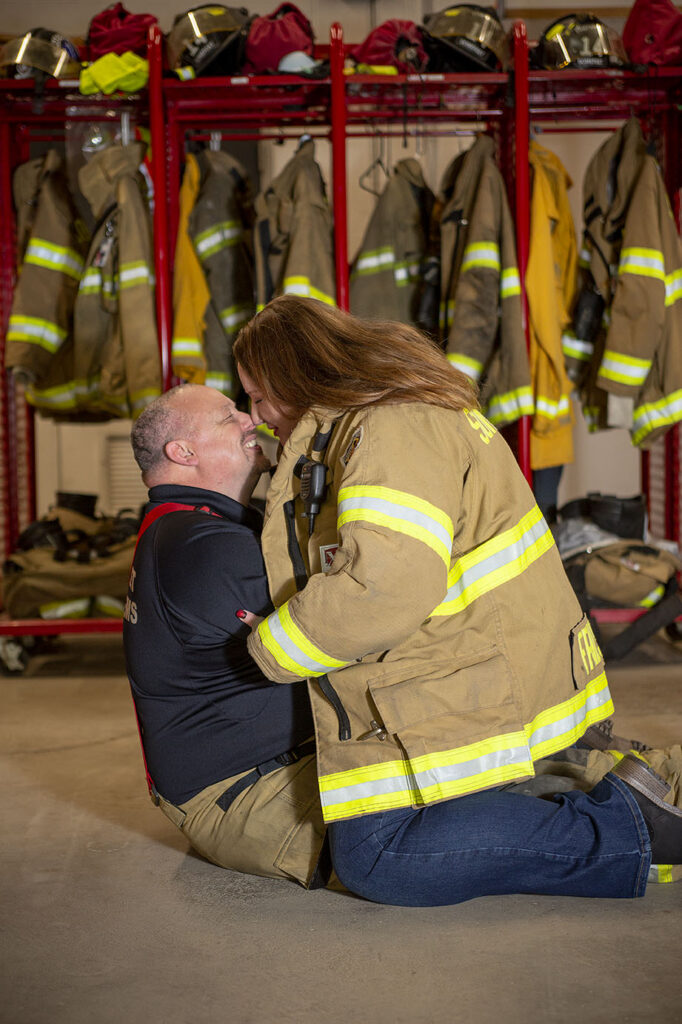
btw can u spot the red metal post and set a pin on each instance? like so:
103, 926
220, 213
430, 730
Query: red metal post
339, 186
161, 249
8, 481
522, 185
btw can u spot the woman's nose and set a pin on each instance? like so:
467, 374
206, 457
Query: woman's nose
253, 412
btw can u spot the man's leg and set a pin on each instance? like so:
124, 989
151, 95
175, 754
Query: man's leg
576, 844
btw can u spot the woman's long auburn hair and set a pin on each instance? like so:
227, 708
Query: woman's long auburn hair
302, 353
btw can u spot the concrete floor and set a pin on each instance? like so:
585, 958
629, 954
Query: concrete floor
107, 916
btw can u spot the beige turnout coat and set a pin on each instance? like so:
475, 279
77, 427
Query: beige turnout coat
293, 233
480, 314
445, 649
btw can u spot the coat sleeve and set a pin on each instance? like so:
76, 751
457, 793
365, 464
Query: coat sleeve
639, 304
395, 535
137, 310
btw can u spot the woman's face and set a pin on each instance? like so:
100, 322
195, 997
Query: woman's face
281, 419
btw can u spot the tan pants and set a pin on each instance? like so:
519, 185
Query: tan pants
273, 828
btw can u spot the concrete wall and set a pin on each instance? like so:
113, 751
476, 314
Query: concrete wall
70, 458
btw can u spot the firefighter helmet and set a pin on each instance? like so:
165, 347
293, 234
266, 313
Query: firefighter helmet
579, 41
465, 37
208, 40
38, 54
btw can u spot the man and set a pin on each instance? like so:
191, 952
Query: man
229, 754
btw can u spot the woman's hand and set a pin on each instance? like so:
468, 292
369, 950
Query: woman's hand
249, 618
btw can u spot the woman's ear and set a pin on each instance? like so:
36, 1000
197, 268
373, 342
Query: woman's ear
181, 452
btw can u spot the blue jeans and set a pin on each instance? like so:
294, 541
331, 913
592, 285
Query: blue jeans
574, 844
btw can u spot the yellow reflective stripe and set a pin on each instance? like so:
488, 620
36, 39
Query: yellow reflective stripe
191, 347
405, 272
510, 283
77, 608
481, 254
111, 606
302, 286
36, 331
373, 261
655, 415
233, 317
461, 770
661, 873
472, 367
291, 649
551, 409
398, 511
653, 597
673, 287
447, 310
137, 272
140, 399
217, 237
507, 407
498, 560
624, 369
91, 282
576, 348
46, 254
642, 263
219, 381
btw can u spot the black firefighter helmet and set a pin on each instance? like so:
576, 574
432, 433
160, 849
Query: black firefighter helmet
579, 41
208, 40
465, 37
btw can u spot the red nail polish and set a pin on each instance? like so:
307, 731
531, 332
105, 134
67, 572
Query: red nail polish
241, 614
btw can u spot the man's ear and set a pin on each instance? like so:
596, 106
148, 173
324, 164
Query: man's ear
181, 452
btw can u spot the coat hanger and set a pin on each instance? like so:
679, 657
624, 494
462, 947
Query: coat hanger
376, 165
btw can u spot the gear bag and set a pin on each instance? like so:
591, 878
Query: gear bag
629, 574
653, 33
271, 37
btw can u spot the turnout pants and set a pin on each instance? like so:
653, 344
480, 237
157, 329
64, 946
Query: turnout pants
273, 827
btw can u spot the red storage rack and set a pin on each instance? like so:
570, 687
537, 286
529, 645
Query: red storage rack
338, 108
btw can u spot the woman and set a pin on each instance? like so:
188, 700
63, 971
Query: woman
418, 588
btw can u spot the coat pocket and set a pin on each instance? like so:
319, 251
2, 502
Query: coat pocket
480, 681
587, 662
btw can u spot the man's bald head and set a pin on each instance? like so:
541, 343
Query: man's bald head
162, 421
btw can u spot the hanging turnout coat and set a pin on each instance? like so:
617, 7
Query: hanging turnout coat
213, 291
551, 279
445, 649
51, 253
386, 276
481, 317
632, 257
293, 234
116, 351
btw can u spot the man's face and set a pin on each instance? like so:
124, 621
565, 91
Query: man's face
223, 439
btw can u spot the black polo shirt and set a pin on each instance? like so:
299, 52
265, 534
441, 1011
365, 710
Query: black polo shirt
205, 709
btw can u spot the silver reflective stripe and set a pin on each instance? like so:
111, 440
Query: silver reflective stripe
624, 368
552, 409
186, 347
292, 650
494, 562
208, 242
58, 257
575, 347
396, 511
377, 260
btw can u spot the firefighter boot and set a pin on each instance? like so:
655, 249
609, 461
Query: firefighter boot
663, 820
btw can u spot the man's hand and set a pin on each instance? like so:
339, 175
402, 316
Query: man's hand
249, 618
